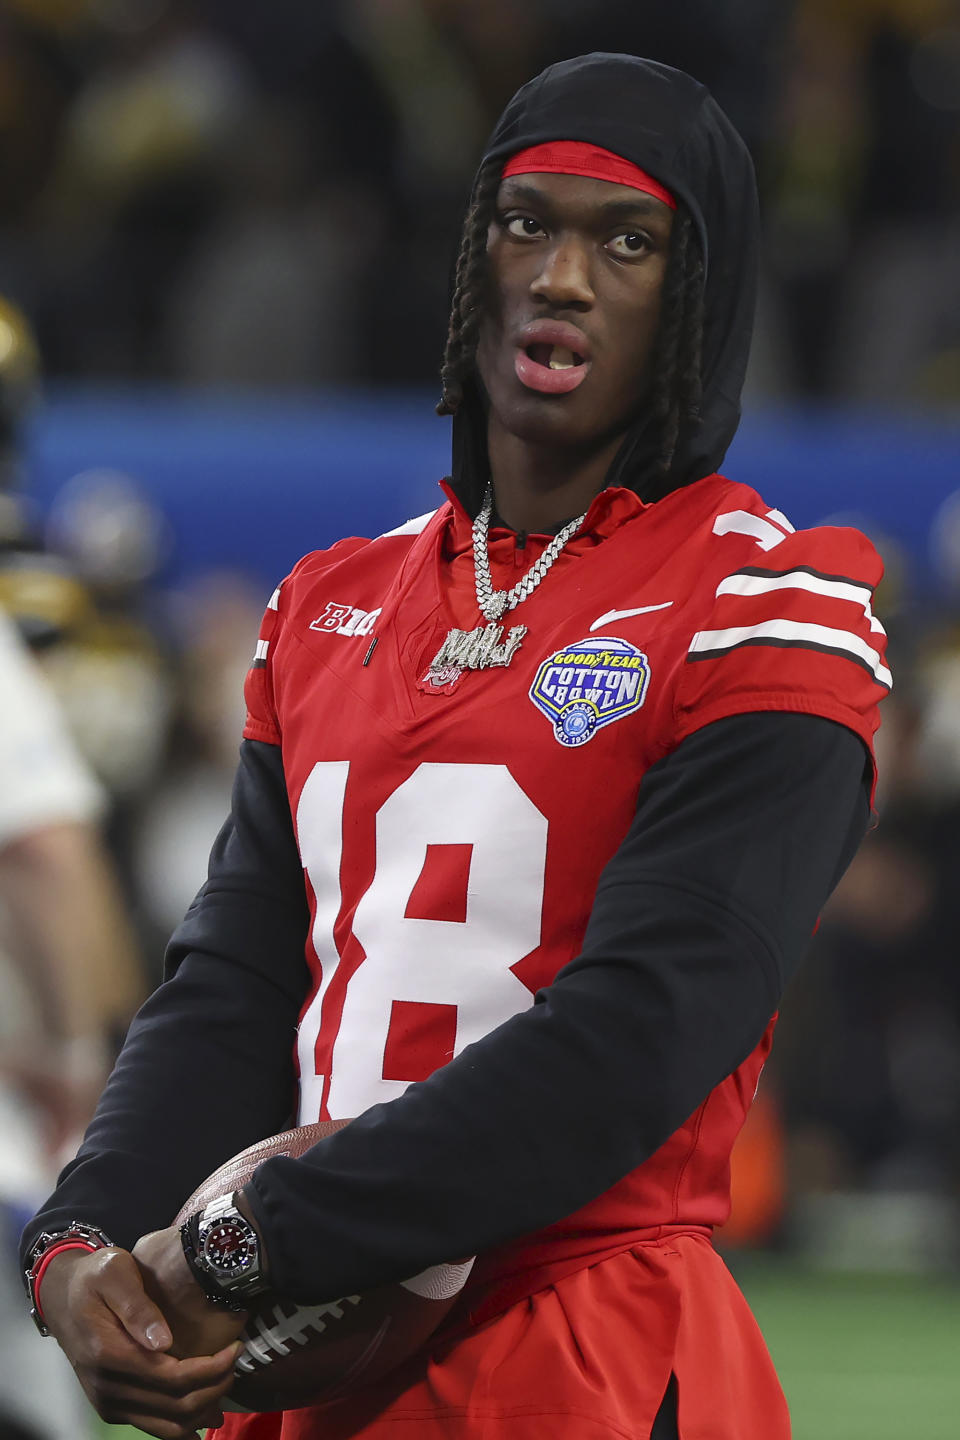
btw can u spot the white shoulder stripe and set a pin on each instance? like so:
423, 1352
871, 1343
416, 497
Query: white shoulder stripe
274, 602
410, 527
790, 632
741, 522
740, 584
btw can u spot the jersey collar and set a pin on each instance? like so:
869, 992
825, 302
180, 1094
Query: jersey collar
613, 507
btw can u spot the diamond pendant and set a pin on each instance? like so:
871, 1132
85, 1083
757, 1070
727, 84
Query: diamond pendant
479, 649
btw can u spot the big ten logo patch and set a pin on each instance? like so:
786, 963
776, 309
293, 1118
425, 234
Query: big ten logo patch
588, 685
345, 620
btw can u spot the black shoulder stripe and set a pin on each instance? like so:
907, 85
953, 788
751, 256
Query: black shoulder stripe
807, 570
779, 644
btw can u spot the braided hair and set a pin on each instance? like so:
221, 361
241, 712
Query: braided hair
468, 293
675, 390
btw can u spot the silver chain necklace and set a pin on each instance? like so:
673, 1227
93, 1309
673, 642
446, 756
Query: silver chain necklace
494, 604
484, 647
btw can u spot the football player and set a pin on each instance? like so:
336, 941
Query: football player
539, 799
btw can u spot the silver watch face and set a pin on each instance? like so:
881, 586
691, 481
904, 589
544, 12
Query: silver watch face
229, 1248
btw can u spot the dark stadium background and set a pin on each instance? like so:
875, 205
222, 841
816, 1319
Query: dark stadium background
229, 225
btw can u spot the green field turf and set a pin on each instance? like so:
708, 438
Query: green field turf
861, 1357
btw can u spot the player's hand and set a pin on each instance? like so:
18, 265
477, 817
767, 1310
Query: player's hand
119, 1343
198, 1326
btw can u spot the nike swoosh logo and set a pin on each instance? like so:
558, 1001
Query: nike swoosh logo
623, 614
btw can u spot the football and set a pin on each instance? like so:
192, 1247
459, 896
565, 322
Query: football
296, 1355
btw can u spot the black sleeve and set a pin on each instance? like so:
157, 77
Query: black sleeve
207, 1067
699, 920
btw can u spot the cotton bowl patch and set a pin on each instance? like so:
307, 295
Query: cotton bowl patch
589, 684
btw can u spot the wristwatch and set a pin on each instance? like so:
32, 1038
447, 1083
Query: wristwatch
223, 1251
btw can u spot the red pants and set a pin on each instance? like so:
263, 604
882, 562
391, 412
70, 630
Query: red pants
586, 1358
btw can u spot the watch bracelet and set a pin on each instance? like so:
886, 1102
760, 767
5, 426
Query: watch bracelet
189, 1239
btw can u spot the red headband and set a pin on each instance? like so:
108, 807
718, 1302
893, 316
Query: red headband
574, 157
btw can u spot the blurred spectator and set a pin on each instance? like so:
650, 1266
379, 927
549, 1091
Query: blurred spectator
735, 49
108, 671
313, 59
19, 383
271, 294
134, 183
868, 1054
67, 934
268, 192
36, 82
80, 602
863, 200
216, 622
70, 975
70, 980
36, 588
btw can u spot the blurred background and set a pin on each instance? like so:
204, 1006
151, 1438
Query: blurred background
225, 239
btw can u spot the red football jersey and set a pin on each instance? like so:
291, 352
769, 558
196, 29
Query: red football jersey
453, 830
453, 826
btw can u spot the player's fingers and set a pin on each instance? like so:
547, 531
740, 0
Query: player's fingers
167, 1416
164, 1375
192, 1412
202, 1371
121, 1390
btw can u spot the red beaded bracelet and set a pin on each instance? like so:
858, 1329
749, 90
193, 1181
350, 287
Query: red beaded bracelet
45, 1261
77, 1236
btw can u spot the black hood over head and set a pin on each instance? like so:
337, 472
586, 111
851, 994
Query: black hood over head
669, 124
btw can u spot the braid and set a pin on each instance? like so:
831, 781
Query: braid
676, 391
465, 311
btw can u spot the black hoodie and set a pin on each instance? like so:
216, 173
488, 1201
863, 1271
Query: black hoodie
668, 124
668, 995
